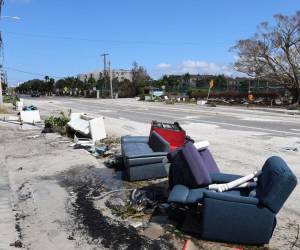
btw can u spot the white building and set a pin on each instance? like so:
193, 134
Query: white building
120, 74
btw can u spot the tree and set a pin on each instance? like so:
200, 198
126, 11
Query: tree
140, 77
126, 89
273, 53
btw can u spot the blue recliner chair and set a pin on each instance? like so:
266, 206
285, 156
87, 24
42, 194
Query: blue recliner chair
240, 216
244, 219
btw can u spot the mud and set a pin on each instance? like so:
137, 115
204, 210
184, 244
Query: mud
97, 229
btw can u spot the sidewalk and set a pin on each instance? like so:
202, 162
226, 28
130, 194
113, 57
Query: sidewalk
7, 221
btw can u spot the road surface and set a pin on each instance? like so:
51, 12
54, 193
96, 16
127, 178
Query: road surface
233, 118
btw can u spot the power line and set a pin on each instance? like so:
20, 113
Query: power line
43, 36
31, 73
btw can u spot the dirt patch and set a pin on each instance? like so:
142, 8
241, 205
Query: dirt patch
96, 228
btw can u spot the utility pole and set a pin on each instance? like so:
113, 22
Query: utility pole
110, 79
104, 71
1, 97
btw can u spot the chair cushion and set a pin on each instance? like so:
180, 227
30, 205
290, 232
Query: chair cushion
131, 149
196, 165
209, 161
275, 184
184, 195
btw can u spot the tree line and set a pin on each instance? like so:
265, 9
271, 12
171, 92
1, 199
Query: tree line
76, 87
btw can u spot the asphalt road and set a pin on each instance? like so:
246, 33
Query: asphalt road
233, 118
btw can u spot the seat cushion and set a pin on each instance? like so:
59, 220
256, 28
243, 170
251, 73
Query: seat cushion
196, 165
209, 161
184, 195
132, 149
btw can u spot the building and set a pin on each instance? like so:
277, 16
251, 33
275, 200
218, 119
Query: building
119, 74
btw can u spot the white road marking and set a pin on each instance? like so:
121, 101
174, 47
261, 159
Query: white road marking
225, 123
257, 119
298, 130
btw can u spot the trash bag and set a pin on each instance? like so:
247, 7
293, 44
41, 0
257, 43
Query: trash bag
115, 162
30, 108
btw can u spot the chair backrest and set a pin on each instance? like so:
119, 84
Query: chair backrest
190, 167
158, 143
275, 184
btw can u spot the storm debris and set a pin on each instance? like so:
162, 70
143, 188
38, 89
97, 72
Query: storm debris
110, 233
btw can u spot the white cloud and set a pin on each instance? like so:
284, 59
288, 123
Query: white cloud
163, 66
195, 67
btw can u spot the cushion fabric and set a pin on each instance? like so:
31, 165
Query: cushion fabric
136, 149
275, 184
196, 165
182, 194
209, 161
190, 167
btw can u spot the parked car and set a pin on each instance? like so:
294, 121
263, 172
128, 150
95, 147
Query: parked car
35, 94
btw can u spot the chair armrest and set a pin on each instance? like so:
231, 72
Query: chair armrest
154, 154
178, 194
230, 198
223, 178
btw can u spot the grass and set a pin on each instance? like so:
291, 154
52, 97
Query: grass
10, 99
58, 123
3, 110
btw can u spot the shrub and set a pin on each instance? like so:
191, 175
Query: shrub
10, 99
58, 123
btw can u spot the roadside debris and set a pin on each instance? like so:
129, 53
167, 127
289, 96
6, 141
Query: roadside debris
30, 116
103, 231
290, 148
88, 126
33, 136
17, 244
30, 108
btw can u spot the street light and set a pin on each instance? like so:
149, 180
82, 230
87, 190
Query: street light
1, 97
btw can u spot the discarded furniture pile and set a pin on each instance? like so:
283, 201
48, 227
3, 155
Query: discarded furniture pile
227, 207
143, 156
89, 133
87, 127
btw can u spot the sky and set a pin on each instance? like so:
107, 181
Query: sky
61, 38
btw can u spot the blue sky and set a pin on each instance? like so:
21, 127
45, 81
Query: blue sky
66, 37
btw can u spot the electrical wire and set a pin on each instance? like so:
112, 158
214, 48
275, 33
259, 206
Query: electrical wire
43, 36
31, 73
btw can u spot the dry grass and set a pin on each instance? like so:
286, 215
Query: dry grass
4, 110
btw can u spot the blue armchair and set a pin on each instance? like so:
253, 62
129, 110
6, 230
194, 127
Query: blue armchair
234, 218
243, 216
